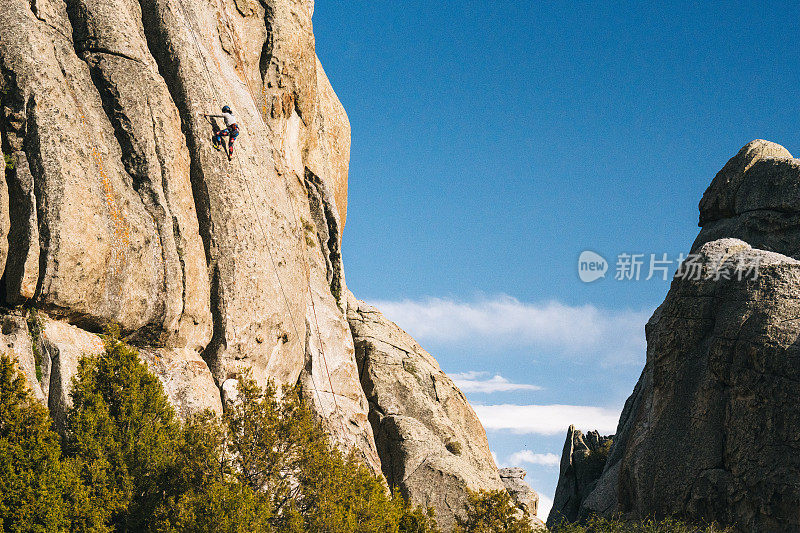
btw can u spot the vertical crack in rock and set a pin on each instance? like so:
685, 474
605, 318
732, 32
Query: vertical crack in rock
326, 219
21, 275
107, 68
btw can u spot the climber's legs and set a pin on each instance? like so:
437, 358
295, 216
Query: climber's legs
234, 132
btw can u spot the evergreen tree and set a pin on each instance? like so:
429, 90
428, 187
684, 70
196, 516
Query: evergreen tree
491, 512
39, 490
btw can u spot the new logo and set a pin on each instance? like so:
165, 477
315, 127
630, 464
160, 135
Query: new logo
591, 266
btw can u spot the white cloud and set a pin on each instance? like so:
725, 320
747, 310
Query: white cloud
527, 456
471, 382
545, 504
546, 419
615, 337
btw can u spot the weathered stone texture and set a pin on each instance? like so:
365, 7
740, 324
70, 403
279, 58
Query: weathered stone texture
524, 497
430, 442
582, 462
709, 432
115, 208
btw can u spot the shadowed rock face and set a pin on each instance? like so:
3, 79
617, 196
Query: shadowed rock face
582, 463
115, 208
710, 429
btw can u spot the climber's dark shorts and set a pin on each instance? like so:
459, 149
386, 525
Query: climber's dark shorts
231, 131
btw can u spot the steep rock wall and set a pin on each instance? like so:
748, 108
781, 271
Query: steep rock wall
431, 444
709, 432
122, 212
115, 208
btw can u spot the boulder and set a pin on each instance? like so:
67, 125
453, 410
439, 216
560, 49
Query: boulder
430, 442
17, 342
754, 198
64, 345
720, 199
186, 379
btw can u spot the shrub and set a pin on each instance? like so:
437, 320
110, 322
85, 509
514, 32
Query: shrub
124, 434
130, 465
453, 447
39, 490
667, 525
279, 447
490, 512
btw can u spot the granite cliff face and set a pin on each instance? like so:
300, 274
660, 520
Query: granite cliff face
710, 429
116, 209
582, 462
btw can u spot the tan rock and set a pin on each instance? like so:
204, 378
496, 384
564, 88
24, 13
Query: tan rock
330, 158
431, 444
523, 495
16, 342
154, 154
186, 379
101, 260
65, 345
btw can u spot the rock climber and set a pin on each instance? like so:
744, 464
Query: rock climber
231, 131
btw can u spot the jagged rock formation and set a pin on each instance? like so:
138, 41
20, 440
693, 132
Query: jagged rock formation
582, 461
525, 498
710, 429
116, 209
429, 440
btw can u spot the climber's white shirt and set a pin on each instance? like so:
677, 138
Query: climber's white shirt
229, 119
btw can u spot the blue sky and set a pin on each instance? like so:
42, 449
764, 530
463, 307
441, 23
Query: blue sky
493, 142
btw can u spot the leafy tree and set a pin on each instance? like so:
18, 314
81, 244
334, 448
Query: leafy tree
129, 464
415, 519
124, 432
210, 499
278, 446
491, 512
39, 490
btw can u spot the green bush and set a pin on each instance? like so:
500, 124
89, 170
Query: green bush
490, 512
39, 490
8, 159
667, 525
129, 464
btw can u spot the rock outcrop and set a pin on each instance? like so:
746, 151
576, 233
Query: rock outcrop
525, 498
122, 212
430, 442
582, 461
710, 430
115, 209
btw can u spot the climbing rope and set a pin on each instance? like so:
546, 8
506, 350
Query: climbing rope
192, 32
265, 109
